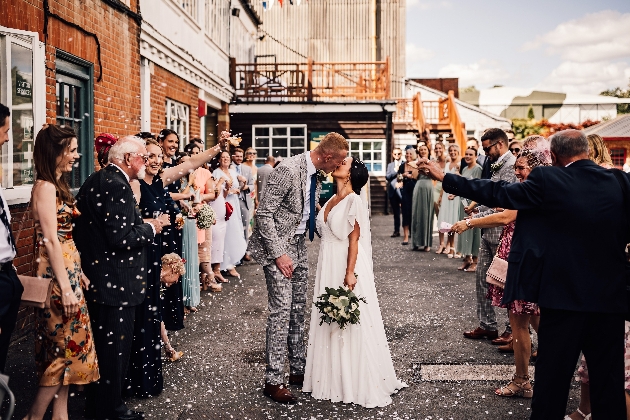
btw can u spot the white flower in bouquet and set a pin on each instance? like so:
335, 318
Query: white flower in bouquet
205, 217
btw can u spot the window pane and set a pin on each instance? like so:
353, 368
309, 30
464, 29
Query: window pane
58, 89
66, 101
77, 102
261, 142
279, 142
376, 167
296, 151
279, 131
355, 155
377, 156
297, 131
261, 131
280, 152
367, 145
378, 145
297, 142
369, 167
354, 145
22, 114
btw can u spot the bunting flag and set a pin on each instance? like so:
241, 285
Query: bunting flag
280, 1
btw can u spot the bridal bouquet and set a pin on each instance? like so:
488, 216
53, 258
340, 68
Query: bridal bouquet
339, 305
205, 217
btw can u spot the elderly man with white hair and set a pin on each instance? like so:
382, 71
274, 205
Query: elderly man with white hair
111, 236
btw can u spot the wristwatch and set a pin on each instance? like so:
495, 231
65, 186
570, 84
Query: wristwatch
468, 223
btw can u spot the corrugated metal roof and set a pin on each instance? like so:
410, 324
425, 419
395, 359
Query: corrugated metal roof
617, 127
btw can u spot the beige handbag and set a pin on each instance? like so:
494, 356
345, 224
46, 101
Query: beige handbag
37, 290
497, 272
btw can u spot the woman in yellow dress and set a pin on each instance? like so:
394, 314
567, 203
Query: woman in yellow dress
64, 347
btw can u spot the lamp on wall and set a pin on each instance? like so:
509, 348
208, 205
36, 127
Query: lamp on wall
236, 12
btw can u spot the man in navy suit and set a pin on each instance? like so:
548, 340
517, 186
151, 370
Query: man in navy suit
394, 193
568, 255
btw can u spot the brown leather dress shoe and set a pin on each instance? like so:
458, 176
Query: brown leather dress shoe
479, 333
503, 339
507, 348
279, 393
296, 380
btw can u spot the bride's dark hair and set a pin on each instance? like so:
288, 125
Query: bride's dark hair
358, 175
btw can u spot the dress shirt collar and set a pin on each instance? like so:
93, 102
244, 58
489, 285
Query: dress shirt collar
310, 168
123, 172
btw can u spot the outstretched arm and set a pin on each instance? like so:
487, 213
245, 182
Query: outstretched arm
493, 220
170, 175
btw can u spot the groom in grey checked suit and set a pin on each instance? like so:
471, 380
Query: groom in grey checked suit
278, 243
495, 144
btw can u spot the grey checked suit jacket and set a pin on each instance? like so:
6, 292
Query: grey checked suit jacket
280, 210
245, 196
505, 173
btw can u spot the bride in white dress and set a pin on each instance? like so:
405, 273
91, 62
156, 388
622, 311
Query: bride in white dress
352, 365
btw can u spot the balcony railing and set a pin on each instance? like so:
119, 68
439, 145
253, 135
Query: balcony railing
311, 81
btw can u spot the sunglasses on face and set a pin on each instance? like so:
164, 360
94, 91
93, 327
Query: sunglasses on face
515, 150
487, 149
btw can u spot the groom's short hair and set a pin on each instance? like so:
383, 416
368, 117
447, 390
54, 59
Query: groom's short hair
332, 143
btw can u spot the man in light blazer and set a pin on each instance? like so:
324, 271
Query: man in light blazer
567, 255
501, 161
246, 179
263, 176
394, 194
278, 243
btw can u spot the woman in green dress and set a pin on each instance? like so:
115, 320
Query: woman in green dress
422, 207
468, 242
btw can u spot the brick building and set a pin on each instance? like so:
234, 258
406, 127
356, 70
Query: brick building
102, 66
62, 62
185, 50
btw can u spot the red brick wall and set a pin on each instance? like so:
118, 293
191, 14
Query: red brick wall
165, 84
116, 96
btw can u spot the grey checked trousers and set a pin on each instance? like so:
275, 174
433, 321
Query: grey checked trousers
285, 325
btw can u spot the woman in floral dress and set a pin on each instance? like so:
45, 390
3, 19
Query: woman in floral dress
64, 348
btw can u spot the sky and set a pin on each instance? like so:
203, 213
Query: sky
555, 45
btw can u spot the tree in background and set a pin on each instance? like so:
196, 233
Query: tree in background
619, 93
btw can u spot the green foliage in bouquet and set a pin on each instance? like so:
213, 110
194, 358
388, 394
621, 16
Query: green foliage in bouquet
205, 217
339, 305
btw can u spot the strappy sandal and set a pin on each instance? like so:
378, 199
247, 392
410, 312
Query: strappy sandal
584, 416
506, 391
440, 249
172, 355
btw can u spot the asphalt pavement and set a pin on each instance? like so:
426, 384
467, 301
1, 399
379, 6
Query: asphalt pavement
426, 304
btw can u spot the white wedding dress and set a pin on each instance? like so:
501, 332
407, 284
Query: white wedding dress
352, 365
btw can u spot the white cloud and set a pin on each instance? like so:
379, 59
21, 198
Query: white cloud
598, 36
416, 54
483, 72
426, 5
592, 48
416, 58
586, 77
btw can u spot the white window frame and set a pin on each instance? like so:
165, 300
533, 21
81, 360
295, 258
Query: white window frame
22, 193
263, 152
361, 150
178, 119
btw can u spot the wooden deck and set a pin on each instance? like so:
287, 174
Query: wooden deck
311, 81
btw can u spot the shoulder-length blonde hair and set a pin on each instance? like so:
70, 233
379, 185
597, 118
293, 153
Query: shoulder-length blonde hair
597, 150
